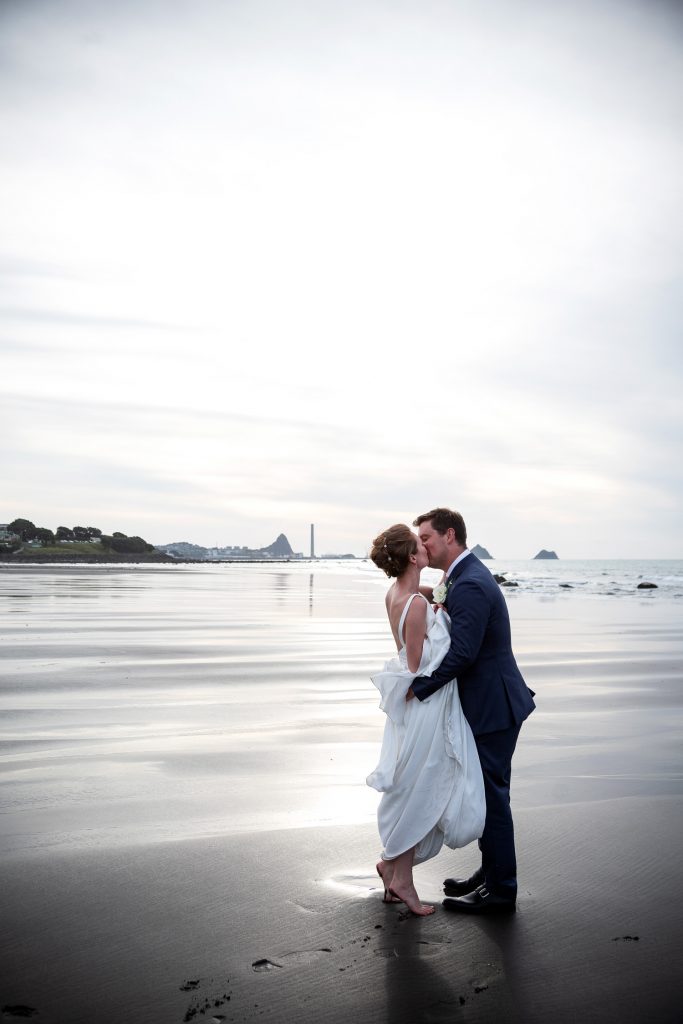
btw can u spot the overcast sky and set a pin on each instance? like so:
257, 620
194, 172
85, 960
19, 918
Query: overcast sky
271, 263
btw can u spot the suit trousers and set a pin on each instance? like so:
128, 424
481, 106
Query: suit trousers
497, 843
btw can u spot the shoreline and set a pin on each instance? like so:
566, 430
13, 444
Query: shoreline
187, 827
165, 560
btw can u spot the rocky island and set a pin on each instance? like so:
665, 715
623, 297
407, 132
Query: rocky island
480, 551
545, 554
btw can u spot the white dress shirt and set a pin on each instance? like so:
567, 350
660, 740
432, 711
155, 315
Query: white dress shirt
463, 554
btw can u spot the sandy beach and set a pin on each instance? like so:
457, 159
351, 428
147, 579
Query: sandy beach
187, 835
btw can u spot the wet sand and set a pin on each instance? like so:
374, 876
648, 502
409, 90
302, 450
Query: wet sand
186, 827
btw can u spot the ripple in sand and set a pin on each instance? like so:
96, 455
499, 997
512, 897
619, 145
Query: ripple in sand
421, 949
306, 956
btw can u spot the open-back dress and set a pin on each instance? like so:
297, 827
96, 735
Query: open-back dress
428, 772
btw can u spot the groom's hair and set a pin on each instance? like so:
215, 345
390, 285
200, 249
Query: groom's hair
443, 519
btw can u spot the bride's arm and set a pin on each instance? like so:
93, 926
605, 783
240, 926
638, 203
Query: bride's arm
414, 633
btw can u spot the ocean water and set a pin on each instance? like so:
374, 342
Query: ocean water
145, 704
611, 578
596, 577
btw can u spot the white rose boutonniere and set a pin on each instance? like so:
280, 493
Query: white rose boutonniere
439, 593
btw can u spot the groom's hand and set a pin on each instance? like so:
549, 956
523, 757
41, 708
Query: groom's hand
410, 694
417, 687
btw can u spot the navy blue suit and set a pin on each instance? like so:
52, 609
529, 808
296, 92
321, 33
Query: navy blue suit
495, 701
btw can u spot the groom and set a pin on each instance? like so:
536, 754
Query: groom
495, 701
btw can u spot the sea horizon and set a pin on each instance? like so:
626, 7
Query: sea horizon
614, 577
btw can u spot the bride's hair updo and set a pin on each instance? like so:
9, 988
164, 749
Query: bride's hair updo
391, 550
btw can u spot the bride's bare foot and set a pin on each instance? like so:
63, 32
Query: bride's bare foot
408, 895
385, 871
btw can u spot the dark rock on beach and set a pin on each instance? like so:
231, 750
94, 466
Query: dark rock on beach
499, 578
509, 583
647, 586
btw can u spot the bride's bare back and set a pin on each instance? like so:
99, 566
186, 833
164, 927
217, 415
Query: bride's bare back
414, 627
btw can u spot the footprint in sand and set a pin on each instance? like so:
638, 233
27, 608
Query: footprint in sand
264, 965
304, 907
200, 1006
201, 1009
297, 956
354, 885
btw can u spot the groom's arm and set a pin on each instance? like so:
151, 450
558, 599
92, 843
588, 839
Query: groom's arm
469, 611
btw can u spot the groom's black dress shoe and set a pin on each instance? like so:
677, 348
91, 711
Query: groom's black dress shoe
481, 901
461, 886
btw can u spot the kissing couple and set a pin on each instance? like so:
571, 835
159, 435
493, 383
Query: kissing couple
455, 702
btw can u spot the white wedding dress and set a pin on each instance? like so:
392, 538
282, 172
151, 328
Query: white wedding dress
428, 771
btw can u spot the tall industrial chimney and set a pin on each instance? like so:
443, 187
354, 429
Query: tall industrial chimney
312, 541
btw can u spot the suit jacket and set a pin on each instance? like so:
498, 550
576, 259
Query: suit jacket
493, 693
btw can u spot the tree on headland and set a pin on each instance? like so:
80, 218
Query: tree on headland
23, 528
124, 545
93, 544
130, 545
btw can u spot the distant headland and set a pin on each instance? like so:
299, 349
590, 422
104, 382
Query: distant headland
23, 541
184, 549
279, 550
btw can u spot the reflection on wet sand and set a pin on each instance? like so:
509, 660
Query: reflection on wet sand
183, 758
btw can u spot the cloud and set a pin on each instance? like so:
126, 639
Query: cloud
57, 317
272, 263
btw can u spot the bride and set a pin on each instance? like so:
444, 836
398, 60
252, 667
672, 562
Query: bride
428, 772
